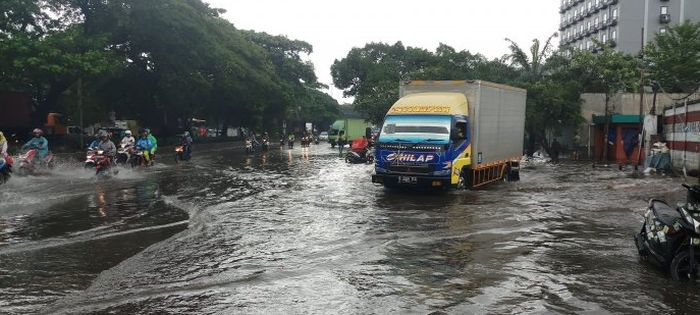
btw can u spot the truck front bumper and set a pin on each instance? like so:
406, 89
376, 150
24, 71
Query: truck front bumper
411, 180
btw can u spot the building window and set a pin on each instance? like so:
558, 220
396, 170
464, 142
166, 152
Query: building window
604, 38
596, 22
590, 5
605, 17
597, 3
664, 10
613, 35
614, 13
588, 25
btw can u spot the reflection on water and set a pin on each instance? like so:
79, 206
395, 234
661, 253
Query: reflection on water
301, 231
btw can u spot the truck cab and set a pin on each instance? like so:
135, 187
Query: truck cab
425, 138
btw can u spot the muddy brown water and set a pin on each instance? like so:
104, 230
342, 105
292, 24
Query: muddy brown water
302, 232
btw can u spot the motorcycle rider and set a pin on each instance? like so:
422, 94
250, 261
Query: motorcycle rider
154, 144
186, 142
360, 146
145, 145
3, 145
106, 145
128, 140
39, 143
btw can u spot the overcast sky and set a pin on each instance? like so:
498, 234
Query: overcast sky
334, 27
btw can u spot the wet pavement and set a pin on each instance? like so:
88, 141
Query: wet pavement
302, 232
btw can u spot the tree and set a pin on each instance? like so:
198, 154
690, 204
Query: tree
372, 74
531, 66
553, 98
674, 57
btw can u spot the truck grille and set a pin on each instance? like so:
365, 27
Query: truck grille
410, 169
411, 147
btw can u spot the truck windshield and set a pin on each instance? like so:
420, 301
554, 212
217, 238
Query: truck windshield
416, 128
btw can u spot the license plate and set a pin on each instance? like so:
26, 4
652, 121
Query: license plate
408, 179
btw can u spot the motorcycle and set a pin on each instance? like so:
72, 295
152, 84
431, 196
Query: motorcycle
124, 154
181, 153
90, 158
249, 147
305, 141
265, 144
28, 165
137, 158
103, 164
354, 157
290, 144
671, 237
282, 143
5, 169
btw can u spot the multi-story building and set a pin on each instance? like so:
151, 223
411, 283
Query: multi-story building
623, 24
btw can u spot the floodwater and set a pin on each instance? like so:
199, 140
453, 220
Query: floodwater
302, 232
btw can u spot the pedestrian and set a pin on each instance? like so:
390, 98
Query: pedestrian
341, 140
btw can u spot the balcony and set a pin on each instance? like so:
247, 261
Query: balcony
611, 2
613, 21
612, 43
665, 18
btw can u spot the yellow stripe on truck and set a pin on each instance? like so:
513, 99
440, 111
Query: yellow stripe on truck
462, 160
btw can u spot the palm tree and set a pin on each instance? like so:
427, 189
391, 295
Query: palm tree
532, 65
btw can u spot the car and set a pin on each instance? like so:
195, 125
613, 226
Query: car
323, 136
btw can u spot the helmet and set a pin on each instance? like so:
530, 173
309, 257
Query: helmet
187, 133
128, 132
148, 130
37, 132
103, 134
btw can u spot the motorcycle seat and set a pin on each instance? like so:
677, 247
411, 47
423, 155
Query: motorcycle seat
665, 213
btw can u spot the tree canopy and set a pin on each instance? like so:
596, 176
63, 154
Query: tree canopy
157, 61
674, 58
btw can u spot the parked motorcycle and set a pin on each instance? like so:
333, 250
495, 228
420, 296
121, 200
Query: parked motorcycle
5, 169
671, 237
181, 154
28, 165
265, 144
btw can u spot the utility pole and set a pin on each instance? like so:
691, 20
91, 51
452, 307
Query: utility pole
641, 104
80, 110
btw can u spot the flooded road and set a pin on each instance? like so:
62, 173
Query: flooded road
303, 232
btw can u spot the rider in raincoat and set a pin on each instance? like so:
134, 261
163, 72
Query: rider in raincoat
39, 143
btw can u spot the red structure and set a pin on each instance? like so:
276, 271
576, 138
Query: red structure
623, 137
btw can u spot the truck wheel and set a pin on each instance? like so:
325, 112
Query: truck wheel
512, 175
465, 179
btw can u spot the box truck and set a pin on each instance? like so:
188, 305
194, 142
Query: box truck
459, 134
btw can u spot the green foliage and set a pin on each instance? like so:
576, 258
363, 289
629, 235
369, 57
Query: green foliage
607, 71
156, 61
372, 74
675, 58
